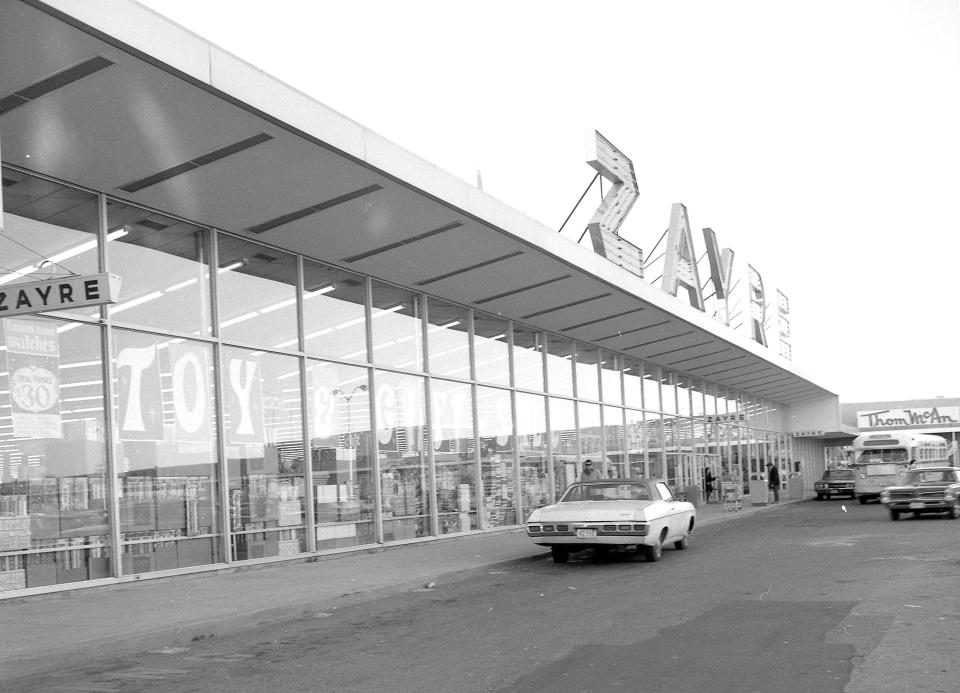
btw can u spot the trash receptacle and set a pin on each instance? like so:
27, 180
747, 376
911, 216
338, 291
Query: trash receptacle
759, 492
795, 487
694, 495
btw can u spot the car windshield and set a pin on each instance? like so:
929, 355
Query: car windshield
838, 474
918, 476
603, 492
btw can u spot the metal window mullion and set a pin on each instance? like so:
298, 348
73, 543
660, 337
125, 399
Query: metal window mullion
308, 492
106, 368
475, 391
374, 442
551, 482
220, 398
426, 437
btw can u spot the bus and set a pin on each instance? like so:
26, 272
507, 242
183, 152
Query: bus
880, 459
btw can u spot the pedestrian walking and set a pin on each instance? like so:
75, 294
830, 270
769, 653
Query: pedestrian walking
708, 479
773, 481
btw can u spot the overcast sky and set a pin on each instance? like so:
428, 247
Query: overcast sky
818, 138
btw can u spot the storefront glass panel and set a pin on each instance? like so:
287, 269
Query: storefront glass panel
49, 230
54, 488
588, 375
528, 358
532, 446
264, 449
563, 441
559, 365
256, 293
591, 436
334, 322
448, 340
341, 454
656, 447
165, 270
166, 452
652, 389
491, 349
404, 463
634, 442
495, 417
455, 468
614, 440
610, 378
397, 325
633, 384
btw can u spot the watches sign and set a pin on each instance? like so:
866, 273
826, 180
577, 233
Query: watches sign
58, 294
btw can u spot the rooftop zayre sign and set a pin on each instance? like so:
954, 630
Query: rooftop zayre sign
909, 418
58, 294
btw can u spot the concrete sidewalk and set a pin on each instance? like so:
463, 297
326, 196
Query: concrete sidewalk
55, 631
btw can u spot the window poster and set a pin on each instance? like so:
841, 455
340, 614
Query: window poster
33, 365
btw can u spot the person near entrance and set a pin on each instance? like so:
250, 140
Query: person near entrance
589, 473
708, 482
773, 481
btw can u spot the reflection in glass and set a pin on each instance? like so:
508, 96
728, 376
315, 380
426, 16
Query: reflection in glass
613, 439
341, 454
49, 230
610, 378
164, 266
632, 383
591, 436
334, 310
495, 417
528, 349
491, 349
397, 324
264, 446
256, 293
404, 464
453, 454
166, 453
54, 492
563, 442
532, 446
656, 449
635, 443
651, 388
448, 338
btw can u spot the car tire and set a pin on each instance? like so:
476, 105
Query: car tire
954, 512
652, 553
680, 544
894, 515
819, 496
560, 554
863, 500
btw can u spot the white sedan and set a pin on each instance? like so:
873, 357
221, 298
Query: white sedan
613, 512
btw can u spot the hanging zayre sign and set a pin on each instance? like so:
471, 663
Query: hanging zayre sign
58, 294
33, 364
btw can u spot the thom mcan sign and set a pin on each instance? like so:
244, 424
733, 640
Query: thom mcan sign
58, 294
914, 417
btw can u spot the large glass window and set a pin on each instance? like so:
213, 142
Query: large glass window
166, 452
334, 310
256, 293
610, 378
164, 267
397, 323
264, 444
591, 436
588, 376
528, 358
453, 455
563, 443
54, 489
448, 340
532, 446
495, 417
491, 349
652, 391
633, 384
49, 230
404, 464
559, 365
341, 454
635, 443
614, 441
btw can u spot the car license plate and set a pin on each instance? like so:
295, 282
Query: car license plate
916, 506
587, 533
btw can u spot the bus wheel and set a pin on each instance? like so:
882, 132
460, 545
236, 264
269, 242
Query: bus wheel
894, 514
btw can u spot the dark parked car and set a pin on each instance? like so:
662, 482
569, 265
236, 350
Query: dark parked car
835, 482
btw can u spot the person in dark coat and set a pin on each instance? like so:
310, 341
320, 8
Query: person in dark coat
708, 481
773, 481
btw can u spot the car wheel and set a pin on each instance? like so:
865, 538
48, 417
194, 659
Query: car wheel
680, 544
819, 496
954, 512
560, 554
894, 515
863, 500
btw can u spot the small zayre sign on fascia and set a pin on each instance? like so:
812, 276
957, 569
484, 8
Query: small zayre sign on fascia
58, 294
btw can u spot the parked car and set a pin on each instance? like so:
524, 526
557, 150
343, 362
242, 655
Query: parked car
925, 490
610, 513
837, 482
